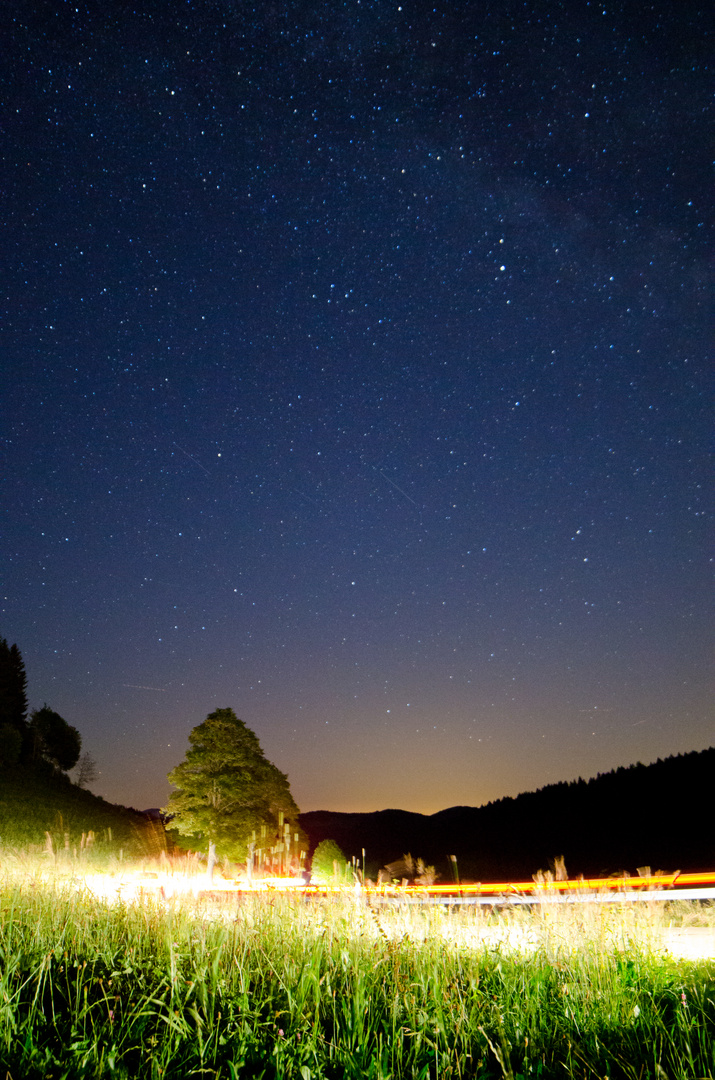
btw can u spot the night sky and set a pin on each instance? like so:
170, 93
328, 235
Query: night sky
355, 379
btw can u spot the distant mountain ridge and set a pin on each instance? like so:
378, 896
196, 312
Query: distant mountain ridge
657, 815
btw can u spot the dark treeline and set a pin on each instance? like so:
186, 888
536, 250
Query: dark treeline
657, 815
45, 742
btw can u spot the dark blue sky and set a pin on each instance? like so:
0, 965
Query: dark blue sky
356, 379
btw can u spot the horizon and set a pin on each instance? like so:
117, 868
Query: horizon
457, 806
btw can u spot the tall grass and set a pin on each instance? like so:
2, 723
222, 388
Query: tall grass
273, 986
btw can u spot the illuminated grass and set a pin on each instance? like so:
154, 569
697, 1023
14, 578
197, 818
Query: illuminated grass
283, 987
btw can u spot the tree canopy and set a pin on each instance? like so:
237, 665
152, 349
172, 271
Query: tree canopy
226, 788
54, 739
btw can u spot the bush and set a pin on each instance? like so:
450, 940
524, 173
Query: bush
329, 866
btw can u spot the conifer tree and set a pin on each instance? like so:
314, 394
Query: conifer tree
13, 705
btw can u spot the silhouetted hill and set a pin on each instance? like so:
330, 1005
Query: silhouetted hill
378, 832
657, 815
34, 801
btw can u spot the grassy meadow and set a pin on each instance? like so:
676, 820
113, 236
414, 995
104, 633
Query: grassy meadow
271, 985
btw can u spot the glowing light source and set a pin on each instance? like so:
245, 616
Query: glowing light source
167, 885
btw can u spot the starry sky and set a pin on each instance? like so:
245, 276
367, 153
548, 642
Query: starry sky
355, 378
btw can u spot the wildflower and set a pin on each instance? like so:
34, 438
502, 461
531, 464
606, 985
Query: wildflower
683, 999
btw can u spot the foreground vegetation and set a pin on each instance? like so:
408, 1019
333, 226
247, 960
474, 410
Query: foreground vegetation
273, 986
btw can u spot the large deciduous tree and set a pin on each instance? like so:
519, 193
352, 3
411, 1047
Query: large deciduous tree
54, 739
226, 788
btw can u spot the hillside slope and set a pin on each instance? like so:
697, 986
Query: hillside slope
34, 802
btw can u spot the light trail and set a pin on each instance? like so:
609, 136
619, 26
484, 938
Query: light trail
693, 886
571, 885
502, 899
